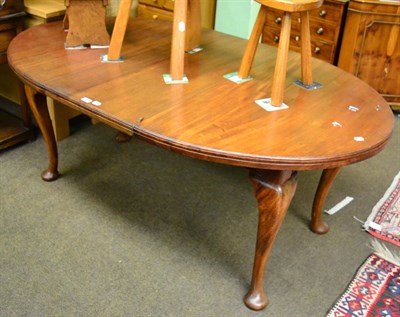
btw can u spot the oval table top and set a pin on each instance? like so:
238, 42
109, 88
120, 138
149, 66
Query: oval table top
211, 117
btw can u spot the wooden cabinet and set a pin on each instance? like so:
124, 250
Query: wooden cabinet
13, 130
164, 10
371, 46
325, 28
11, 23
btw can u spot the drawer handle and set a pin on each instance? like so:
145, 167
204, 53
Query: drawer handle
155, 17
297, 38
278, 20
276, 38
322, 13
2, 3
317, 50
320, 31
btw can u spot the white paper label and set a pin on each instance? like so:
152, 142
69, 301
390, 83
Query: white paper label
86, 99
266, 104
339, 206
374, 225
181, 26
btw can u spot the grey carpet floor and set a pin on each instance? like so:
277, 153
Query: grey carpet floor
133, 230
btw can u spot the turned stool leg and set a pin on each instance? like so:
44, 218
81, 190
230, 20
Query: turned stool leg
306, 67
250, 52
117, 38
193, 25
178, 39
278, 84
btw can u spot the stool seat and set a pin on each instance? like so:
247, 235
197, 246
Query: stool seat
292, 5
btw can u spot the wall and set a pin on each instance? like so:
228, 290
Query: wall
236, 17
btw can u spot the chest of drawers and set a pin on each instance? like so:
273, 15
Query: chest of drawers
325, 28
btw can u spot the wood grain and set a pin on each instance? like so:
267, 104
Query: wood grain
372, 50
210, 118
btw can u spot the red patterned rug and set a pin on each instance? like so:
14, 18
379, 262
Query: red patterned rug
384, 221
374, 291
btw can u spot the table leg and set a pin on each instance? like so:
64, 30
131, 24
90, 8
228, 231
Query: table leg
274, 191
327, 178
122, 137
38, 105
25, 111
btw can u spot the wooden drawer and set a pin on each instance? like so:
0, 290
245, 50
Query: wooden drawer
169, 4
163, 9
11, 7
154, 3
320, 49
319, 29
162, 4
325, 29
150, 12
329, 12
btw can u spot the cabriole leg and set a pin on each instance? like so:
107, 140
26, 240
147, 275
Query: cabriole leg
274, 191
325, 183
38, 105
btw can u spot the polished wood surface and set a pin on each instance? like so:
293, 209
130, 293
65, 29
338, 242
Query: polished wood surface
211, 118
327, 178
372, 50
292, 5
273, 191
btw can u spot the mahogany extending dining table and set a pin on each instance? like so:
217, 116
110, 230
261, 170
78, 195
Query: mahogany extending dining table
211, 118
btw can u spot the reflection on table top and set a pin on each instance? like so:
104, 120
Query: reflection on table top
211, 117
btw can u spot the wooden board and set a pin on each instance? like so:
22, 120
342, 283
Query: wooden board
45, 8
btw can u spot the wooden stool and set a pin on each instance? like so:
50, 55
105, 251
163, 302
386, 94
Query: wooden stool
288, 6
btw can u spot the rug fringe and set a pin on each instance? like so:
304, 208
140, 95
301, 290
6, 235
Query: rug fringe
380, 202
385, 253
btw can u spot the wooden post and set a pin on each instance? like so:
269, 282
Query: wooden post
306, 61
193, 24
178, 39
278, 83
117, 38
250, 52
